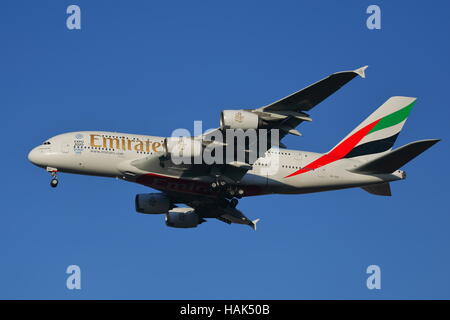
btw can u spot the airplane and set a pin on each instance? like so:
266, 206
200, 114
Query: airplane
364, 158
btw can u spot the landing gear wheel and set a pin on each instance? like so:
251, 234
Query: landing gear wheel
231, 192
218, 185
53, 173
54, 182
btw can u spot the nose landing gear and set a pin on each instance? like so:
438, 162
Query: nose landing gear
54, 181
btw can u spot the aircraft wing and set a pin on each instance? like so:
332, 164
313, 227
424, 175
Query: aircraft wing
307, 98
287, 113
213, 208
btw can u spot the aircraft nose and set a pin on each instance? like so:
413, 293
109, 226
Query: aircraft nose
36, 157
32, 156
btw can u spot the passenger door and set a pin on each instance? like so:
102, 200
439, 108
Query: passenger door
65, 146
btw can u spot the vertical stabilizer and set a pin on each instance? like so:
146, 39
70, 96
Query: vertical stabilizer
378, 132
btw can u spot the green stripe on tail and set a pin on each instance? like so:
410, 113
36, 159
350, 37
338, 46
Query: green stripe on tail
393, 118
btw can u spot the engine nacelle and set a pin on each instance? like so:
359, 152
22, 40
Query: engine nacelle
153, 203
183, 218
183, 147
239, 119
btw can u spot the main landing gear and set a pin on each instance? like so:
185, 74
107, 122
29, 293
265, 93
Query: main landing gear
224, 203
216, 185
229, 193
234, 202
54, 181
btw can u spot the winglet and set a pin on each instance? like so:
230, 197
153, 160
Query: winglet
254, 222
361, 71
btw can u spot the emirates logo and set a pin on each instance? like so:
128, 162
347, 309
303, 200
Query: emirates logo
239, 117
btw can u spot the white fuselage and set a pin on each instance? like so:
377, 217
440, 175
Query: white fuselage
111, 154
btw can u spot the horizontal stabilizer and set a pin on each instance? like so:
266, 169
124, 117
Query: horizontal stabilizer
382, 189
395, 159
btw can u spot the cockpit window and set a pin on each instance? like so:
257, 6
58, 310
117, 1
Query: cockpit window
46, 142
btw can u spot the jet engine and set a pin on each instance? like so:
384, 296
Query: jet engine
183, 147
183, 218
239, 119
153, 203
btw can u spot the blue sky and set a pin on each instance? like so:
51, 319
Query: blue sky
149, 67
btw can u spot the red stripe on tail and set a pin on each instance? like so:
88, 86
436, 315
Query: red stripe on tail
338, 152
